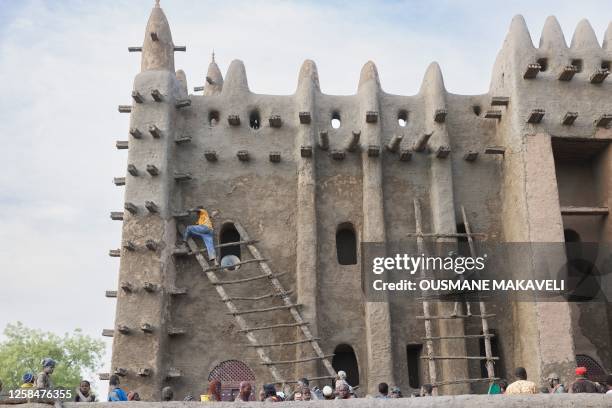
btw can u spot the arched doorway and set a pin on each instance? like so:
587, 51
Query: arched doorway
595, 372
229, 255
231, 373
346, 244
345, 359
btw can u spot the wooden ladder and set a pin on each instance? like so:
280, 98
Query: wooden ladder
277, 291
428, 318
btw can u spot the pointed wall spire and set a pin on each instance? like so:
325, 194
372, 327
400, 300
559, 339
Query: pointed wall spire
369, 73
214, 80
552, 35
584, 36
182, 80
607, 42
236, 79
308, 77
158, 48
518, 34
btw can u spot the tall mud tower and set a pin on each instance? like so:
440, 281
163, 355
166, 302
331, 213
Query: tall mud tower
300, 181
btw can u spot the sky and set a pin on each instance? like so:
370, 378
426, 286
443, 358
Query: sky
64, 68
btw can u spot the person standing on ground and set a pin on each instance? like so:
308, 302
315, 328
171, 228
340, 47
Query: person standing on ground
203, 229
28, 381
582, 383
84, 394
426, 390
115, 394
383, 390
521, 385
244, 392
554, 384
43, 380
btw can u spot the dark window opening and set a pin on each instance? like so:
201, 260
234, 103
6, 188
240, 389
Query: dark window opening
571, 235
229, 234
578, 64
543, 64
335, 121
402, 118
344, 359
605, 64
582, 273
476, 109
494, 353
463, 247
595, 372
346, 244
213, 118
413, 358
254, 120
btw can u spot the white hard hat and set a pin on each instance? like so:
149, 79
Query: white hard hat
327, 391
342, 375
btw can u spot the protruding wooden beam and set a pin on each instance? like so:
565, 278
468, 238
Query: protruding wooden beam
405, 155
152, 170
500, 101
182, 103
470, 156
131, 207
146, 328
493, 114
532, 71
305, 118
155, 131
175, 331
150, 287
440, 115
371, 117
421, 142
443, 152
275, 121
323, 140
568, 73
373, 151
306, 151
114, 253
119, 181
126, 287
536, 116
129, 246
121, 144
121, 372
243, 155
144, 372
132, 170
210, 155
157, 95
177, 291
151, 207
604, 120
182, 140
394, 143
137, 96
275, 157
599, 76
104, 376
173, 373
134, 49
151, 245
136, 133
495, 150
353, 142
108, 332
233, 120
596, 211
123, 329
337, 154
110, 294
182, 177
569, 118
125, 108
181, 48
116, 215
198, 88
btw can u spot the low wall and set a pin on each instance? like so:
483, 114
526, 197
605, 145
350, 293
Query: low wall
460, 401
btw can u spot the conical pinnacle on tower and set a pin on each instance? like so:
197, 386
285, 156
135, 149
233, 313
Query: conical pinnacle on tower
552, 35
236, 79
607, 42
308, 78
369, 74
518, 35
158, 48
584, 37
214, 79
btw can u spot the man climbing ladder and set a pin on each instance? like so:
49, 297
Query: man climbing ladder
203, 229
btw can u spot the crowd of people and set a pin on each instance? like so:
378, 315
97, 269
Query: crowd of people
339, 389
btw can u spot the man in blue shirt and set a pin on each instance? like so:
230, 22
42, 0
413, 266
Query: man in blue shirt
116, 393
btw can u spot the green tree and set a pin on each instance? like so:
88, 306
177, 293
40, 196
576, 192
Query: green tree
24, 349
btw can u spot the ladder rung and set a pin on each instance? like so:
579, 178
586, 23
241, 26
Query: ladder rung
467, 336
252, 241
231, 282
302, 360
325, 377
248, 261
458, 358
454, 235
464, 381
288, 343
486, 316
266, 309
254, 298
273, 326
